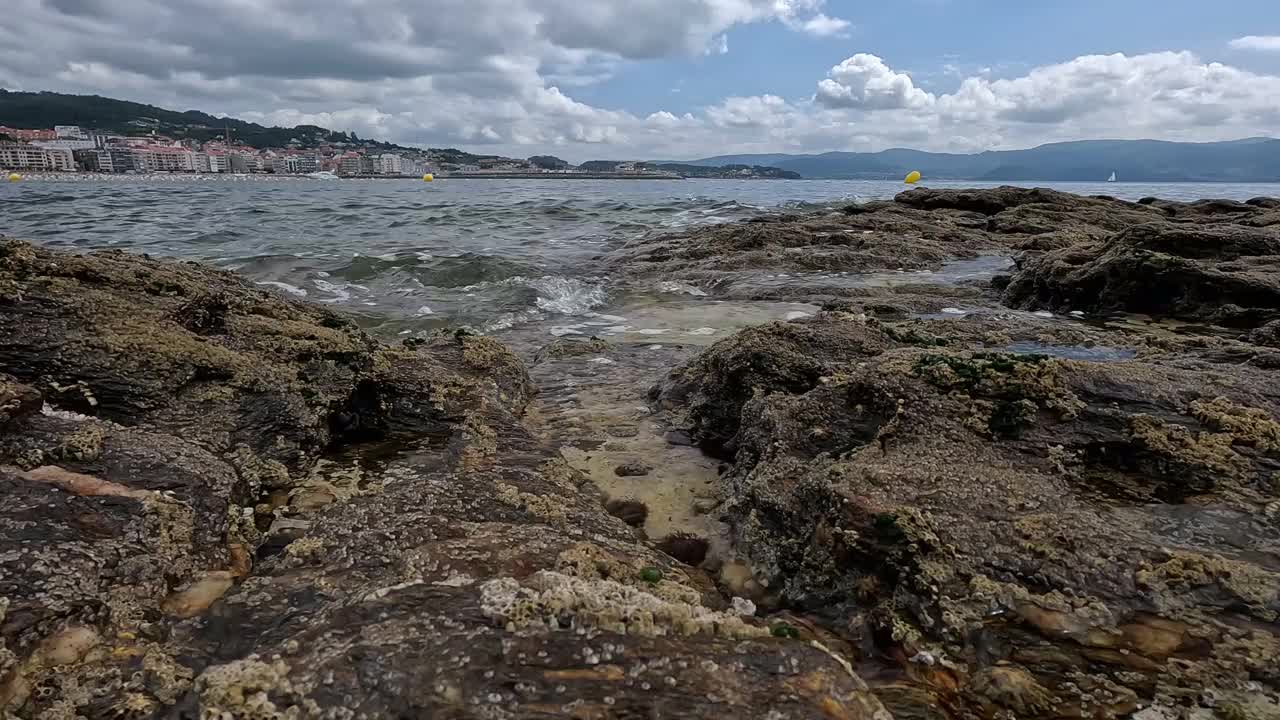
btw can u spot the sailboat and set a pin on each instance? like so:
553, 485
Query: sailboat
1113, 176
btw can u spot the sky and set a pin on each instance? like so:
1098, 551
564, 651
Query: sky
674, 79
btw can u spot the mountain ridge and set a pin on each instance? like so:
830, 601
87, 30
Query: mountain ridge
1254, 159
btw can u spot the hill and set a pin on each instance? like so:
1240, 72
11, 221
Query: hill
698, 170
46, 109
1248, 160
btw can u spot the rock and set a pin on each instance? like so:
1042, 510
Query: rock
1268, 334
631, 512
632, 469
1224, 273
790, 357
460, 569
688, 549
17, 400
1060, 536
988, 201
561, 348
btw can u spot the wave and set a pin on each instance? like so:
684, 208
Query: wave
444, 271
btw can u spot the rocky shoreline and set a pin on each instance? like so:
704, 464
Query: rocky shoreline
1049, 490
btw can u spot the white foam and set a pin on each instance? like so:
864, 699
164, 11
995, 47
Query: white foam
562, 330
655, 347
601, 360
291, 289
560, 295
424, 311
339, 292
1043, 314
954, 311
1077, 313
702, 331
651, 331
50, 411
679, 288
797, 314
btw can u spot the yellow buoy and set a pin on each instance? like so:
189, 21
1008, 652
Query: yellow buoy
14, 177
912, 177
428, 177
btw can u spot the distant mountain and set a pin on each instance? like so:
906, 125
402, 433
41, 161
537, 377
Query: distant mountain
1248, 160
729, 171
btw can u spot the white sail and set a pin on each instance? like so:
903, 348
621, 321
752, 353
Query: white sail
1113, 177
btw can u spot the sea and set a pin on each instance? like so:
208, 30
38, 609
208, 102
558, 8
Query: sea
494, 256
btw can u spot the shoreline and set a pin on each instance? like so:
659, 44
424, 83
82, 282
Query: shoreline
254, 177
1042, 487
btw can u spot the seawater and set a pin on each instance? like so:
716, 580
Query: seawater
407, 257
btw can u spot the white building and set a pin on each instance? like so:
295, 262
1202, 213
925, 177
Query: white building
244, 162
200, 162
66, 144
15, 156
163, 159
219, 163
70, 132
61, 159
390, 164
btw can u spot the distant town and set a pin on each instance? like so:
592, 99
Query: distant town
55, 134
71, 148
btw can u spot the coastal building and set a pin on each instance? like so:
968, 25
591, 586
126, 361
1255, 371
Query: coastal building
105, 160
28, 135
390, 164
163, 158
20, 156
349, 164
219, 161
200, 162
69, 132
305, 163
242, 163
66, 144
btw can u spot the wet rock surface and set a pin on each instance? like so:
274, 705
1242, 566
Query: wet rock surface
921, 229
1059, 513
243, 507
1227, 273
1051, 494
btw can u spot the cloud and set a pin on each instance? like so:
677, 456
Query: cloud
1262, 43
750, 112
506, 76
864, 81
821, 25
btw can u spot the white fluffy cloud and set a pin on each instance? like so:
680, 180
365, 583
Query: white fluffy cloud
1264, 43
502, 75
864, 81
864, 104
